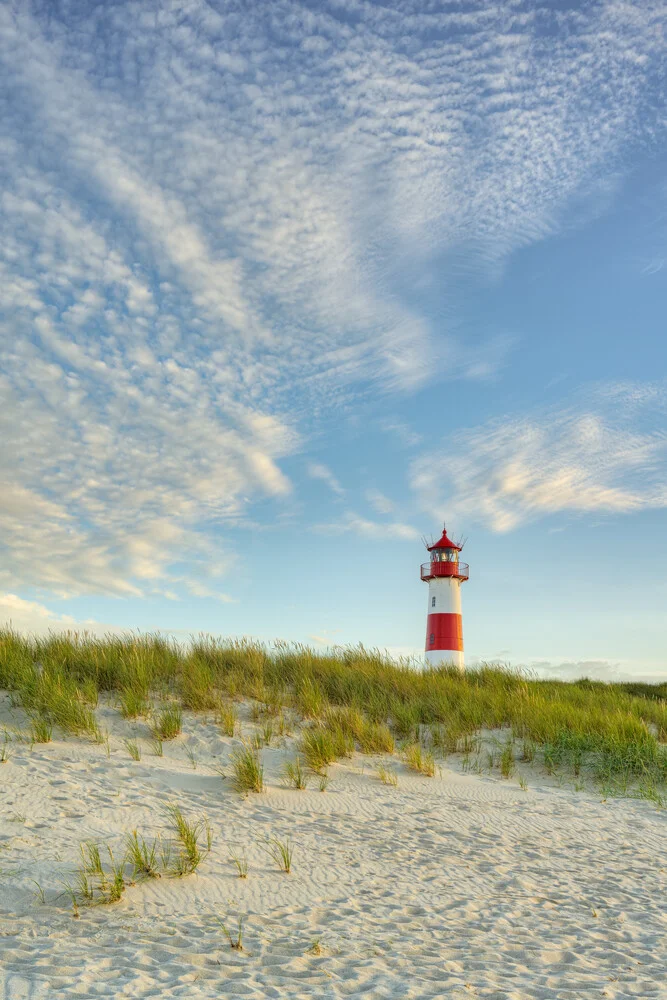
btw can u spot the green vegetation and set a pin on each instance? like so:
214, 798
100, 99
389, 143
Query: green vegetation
280, 852
248, 770
418, 759
168, 723
240, 861
133, 749
387, 776
235, 942
227, 718
354, 699
293, 774
190, 852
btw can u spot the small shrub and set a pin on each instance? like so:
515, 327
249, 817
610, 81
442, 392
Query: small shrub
387, 777
248, 770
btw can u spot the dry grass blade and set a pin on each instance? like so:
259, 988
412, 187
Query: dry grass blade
241, 863
387, 776
234, 942
280, 851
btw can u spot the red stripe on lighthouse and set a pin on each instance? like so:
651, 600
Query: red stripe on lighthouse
444, 632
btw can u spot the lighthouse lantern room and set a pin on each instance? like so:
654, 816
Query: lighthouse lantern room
444, 627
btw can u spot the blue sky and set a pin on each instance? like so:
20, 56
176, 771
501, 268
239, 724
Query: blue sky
284, 285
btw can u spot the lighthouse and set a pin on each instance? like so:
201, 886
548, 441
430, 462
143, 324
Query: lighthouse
444, 625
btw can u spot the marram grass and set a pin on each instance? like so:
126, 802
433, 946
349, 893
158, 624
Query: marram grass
355, 698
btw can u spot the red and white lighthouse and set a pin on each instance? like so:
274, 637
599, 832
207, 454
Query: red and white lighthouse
444, 625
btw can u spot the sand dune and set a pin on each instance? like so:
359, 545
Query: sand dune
453, 886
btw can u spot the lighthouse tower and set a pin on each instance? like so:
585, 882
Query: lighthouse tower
444, 627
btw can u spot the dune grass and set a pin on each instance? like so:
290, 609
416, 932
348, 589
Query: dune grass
167, 723
355, 699
280, 852
293, 774
189, 834
247, 769
420, 760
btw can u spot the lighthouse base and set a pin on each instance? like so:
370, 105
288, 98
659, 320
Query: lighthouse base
445, 657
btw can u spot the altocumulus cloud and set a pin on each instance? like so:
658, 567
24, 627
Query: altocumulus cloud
577, 459
205, 207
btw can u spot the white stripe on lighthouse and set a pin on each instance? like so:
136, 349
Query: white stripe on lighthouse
444, 657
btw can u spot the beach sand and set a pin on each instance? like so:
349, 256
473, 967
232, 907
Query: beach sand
454, 886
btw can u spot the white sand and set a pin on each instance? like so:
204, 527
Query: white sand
456, 886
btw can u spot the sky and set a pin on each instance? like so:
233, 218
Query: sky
285, 285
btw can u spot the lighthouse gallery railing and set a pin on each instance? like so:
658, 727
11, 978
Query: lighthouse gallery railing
430, 569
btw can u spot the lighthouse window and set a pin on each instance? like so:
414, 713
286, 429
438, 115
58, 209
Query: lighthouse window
432, 638
433, 602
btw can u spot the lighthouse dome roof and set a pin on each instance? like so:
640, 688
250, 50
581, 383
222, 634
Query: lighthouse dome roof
444, 542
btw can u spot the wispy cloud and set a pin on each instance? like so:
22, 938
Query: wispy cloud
213, 222
379, 502
316, 470
369, 529
591, 457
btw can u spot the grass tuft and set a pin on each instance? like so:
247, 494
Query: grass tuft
387, 776
280, 851
293, 774
189, 834
143, 856
168, 723
247, 769
133, 749
241, 863
235, 942
133, 703
227, 718
41, 730
417, 759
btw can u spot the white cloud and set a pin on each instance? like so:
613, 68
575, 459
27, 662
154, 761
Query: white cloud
316, 470
379, 502
369, 529
578, 459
